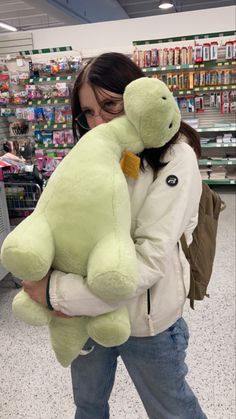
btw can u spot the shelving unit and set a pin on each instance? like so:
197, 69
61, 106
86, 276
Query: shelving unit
49, 123
209, 107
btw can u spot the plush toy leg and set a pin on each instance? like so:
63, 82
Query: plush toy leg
68, 337
29, 311
111, 329
28, 251
112, 268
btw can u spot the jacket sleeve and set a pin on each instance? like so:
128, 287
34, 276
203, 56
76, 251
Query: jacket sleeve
172, 200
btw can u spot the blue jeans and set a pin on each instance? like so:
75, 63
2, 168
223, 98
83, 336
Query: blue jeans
156, 366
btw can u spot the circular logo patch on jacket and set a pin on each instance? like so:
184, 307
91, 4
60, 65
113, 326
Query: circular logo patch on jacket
172, 180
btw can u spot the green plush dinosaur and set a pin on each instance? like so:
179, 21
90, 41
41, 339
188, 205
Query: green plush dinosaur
82, 221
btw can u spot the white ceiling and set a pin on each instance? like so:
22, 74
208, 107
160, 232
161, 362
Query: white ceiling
29, 14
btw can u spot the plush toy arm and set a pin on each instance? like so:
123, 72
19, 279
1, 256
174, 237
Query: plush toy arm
112, 268
28, 251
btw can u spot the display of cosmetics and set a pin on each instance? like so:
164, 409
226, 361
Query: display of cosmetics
179, 81
208, 51
55, 67
211, 78
163, 57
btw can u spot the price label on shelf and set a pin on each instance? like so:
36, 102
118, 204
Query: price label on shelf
178, 67
232, 182
69, 78
163, 68
55, 126
64, 126
40, 80
190, 65
56, 145
49, 101
39, 102
48, 78
230, 162
45, 126
57, 78
55, 101
67, 101
226, 145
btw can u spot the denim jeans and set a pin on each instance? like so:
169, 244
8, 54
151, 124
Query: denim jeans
156, 366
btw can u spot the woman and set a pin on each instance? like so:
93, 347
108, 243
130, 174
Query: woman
161, 212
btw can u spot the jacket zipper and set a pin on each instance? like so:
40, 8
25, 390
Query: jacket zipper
148, 302
151, 328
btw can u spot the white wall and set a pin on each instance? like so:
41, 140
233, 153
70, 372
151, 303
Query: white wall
94, 38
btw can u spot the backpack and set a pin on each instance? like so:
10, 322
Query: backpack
201, 252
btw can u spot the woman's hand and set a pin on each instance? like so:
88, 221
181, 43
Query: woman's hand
37, 292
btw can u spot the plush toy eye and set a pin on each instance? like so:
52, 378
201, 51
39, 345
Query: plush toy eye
171, 124
163, 97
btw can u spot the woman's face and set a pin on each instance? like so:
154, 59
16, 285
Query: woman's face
101, 109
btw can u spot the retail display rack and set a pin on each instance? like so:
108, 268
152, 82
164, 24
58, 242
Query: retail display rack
35, 121
200, 71
35, 101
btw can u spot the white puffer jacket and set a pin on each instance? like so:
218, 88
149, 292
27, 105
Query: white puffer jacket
161, 211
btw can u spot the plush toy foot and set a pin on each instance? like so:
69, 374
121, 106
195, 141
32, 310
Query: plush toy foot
110, 329
28, 251
113, 277
29, 311
68, 337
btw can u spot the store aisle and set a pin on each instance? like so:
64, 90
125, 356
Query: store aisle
34, 386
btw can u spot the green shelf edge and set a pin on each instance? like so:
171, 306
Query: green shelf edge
45, 50
51, 126
49, 78
207, 64
219, 162
216, 129
53, 146
219, 182
218, 145
49, 101
184, 38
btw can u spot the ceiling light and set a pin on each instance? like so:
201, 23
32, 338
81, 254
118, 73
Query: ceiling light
166, 4
7, 27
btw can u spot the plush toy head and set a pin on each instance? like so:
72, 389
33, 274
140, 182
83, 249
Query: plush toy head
152, 109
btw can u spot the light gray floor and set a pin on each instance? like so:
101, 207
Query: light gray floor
34, 386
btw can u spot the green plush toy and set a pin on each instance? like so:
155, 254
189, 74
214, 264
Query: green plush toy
82, 221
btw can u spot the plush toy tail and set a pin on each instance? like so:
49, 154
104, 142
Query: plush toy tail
28, 251
68, 337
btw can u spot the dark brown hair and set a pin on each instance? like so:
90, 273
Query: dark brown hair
113, 71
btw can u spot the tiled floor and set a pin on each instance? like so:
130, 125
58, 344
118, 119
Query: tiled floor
34, 386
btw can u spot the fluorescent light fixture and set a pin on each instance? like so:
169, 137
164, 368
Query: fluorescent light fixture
7, 27
166, 4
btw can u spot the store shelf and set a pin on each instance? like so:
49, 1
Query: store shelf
167, 68
50, 126
49, 101
50, 78
45, 50
218, 145
218, 162
185, 38
53, 146
205, 65
219, 182
204, 89
217, 129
